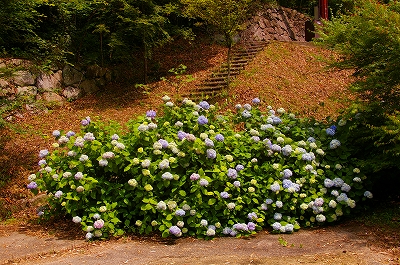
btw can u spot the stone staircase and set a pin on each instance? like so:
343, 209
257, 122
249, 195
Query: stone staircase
214, 85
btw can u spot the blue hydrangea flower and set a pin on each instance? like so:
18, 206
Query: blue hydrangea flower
42, 162
287, 150
151, 114
279, 204
256, 101
368, 194
232, 173
289, 228
204, 105
85, 121
276, 226
334, 144
276, 120
330, 132
240, 227
202, 120
287, 173
43, 153
307, 157
255, 138
328, 183
342, 197
311, 139
269, 201
211, 153
236, 184
275, 187
277, 216
346, 187
70, 134
338, 182
226, 231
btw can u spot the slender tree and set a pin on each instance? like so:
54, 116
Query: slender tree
227, 16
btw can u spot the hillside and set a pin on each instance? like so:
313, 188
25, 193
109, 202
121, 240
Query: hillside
288, 75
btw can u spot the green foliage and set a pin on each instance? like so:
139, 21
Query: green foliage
194, 172
369, 42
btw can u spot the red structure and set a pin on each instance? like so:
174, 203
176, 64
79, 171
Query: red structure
323, 9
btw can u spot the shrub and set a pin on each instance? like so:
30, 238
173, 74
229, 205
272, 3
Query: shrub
197, 173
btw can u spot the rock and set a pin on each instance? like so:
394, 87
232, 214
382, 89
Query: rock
95, 71
53, 97
49, 82
72, 93
71, 76
26, 90
23, 78
89, 86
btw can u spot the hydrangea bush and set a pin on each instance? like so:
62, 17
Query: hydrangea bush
195, 172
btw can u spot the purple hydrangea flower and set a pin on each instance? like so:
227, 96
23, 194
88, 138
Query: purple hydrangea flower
56, 133
232, 173
85, 121
204, 105
307, 157
180, 212
211, 153
70, 134
224, 195
269, 201
194, 177
246, 114
89, 136
32, 185
202, 120
275, 187
203, 182
98, 224
239, 167
181, 135
42, 162
226, 231
276, 120
252, 216
255, 138
78, 176
115, 137
58, 194
287, 173
318, 202
208, 142
287, 150
236, 184
219, 137
164, 143
276, 148
151, 114
311, 139
251, 226
256, 101
240, 227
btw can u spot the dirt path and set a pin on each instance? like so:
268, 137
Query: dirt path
348, 243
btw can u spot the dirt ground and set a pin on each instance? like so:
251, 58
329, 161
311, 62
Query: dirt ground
348, 243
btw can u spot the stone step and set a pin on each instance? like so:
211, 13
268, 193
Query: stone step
209, 88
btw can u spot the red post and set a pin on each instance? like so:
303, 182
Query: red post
323, 9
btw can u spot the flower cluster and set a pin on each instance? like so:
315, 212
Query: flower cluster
191, 172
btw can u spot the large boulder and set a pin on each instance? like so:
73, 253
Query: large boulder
89, 86
71, 76
50, 82
72, 93
53, 98
23, 78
